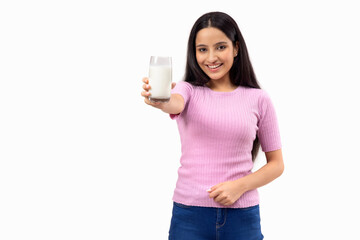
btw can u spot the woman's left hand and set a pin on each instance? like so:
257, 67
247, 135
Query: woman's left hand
227, 193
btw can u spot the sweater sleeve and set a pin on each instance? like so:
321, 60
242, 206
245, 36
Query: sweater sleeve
184, 89
268, 128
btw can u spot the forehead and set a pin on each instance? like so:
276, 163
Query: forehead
211, 35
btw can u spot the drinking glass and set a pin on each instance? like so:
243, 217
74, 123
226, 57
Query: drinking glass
160, 78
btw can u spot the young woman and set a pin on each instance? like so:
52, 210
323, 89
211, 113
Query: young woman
223, 117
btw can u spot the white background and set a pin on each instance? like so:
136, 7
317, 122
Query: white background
82, 156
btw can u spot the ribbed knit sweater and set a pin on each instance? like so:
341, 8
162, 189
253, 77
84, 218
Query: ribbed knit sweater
217, 131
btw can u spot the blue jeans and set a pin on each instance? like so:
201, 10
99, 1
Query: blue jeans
207, 223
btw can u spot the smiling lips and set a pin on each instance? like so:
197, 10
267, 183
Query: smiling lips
214, 67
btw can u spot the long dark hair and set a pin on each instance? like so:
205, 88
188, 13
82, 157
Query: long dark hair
241, 73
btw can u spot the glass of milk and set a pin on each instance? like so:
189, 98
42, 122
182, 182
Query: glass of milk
160, 78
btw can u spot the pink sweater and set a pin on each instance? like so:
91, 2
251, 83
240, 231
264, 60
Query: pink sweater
217, 130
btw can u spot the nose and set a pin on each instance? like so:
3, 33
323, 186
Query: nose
212, 56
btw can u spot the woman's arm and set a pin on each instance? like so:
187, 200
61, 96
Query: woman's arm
269, 172
175, 105
227, 193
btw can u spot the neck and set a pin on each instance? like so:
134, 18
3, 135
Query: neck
221, 86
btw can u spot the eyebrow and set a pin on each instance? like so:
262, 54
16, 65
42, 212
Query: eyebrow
203, 45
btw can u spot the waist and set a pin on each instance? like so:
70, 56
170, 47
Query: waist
201, 199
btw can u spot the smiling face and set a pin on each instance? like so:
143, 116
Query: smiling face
215, 53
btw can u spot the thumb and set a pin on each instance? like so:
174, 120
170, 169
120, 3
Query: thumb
214, 192
173, 85
212, 189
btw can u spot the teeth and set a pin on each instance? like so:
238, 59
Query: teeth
214, 66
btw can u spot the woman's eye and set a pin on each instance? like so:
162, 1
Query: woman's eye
202, 49
221, 47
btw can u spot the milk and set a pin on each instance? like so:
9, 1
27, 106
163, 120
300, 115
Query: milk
160, 82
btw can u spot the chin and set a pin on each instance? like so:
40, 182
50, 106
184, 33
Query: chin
215, 77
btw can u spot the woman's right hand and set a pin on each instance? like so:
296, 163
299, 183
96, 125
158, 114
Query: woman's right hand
146, 94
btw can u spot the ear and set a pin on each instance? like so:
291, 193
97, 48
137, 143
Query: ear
236, 49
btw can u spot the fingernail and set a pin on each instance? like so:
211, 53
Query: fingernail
209, 190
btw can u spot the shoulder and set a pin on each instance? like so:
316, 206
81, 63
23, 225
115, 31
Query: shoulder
183, 88
184, 84
259, 97
256, 93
